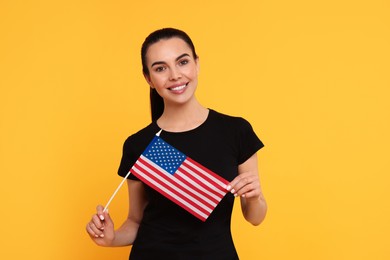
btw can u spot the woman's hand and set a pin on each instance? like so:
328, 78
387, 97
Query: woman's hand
246, 185
101, 228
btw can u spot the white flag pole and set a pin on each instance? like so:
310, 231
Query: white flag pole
116, 191
120, 185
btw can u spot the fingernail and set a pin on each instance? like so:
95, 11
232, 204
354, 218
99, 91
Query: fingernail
232, 191
235, 194
243, 195
101, 217
101, 235
228, 187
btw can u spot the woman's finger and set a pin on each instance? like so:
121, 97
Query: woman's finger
97, 222
99, 212
91, 231
97, 231
240, 182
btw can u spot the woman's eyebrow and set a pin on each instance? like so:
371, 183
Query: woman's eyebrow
163, 62
181, 56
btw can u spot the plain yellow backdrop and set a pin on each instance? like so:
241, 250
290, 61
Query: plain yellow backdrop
311, 76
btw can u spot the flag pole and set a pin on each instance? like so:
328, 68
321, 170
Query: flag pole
116, 191
120, 184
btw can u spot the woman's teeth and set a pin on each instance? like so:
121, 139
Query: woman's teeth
179, 87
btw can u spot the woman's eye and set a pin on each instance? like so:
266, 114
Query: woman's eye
183, 62
159, 69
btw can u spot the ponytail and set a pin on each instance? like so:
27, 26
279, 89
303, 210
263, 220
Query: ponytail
156, 104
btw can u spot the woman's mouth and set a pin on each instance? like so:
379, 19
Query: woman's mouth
178, 88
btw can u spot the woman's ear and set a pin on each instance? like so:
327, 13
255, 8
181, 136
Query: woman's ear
197, 64
147, 78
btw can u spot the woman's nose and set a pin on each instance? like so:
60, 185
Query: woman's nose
175, 74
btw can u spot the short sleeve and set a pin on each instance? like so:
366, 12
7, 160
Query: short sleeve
133, 148
248, 142
129, 157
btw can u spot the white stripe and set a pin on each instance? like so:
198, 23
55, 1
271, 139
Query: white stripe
197, 185
169, 192
178, 184
223, 185
194, 174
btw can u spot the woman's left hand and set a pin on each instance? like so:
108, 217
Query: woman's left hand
246, 185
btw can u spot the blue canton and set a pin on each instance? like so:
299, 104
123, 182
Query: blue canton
164, 155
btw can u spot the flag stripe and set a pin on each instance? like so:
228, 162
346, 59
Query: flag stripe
212, 175
205, 181
149, 168
172, 181
197, 185
170, 195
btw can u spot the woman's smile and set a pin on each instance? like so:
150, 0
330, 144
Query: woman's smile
177, 89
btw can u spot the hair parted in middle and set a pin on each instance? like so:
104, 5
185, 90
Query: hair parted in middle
156, 101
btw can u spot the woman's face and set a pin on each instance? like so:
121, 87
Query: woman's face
173, 71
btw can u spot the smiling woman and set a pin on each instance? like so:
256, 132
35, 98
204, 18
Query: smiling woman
224, 148
173, 72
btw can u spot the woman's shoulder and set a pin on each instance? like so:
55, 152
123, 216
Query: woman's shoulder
142, 136
231, 126
228, 120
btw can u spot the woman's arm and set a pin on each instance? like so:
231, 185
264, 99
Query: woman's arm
101, 227
247, 186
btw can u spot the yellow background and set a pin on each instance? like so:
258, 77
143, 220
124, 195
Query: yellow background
311, 76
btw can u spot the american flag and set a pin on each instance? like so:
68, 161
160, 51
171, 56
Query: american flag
179, 178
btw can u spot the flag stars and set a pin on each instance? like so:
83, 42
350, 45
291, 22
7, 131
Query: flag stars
165, 156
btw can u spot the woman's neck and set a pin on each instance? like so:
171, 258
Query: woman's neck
182, 117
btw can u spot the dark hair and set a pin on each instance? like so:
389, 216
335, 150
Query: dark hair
156, 101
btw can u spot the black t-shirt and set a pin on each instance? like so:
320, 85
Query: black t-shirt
167, 231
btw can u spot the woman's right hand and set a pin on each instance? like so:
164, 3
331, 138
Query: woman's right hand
101, 228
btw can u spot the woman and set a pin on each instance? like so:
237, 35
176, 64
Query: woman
156, 227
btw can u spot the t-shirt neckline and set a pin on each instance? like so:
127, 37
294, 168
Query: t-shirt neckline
189, 130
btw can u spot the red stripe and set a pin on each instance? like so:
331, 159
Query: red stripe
161, 175
200, 183
179, 178
170, 197
178, 186
162, 192
207, 178
209, 171
181, 187
205, 194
